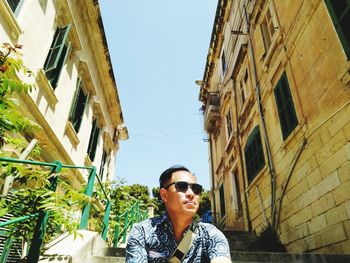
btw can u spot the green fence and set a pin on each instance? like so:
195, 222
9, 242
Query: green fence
124, 222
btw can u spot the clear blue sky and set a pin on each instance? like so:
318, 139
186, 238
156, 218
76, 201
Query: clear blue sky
158, 49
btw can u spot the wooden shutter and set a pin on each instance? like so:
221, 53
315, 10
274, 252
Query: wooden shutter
259, 42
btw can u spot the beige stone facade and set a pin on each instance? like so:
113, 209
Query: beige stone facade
276, 95
76, 98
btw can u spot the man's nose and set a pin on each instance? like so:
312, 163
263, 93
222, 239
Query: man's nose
190, 192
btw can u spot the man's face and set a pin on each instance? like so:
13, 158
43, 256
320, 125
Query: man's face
184, 203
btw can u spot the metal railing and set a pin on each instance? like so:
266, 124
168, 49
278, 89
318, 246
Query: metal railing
126, 220
132, 215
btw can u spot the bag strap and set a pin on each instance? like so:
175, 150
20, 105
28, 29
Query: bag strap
184, 246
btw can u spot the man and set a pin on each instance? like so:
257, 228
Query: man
174, 236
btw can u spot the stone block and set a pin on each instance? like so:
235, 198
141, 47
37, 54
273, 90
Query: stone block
339, 121
324, 135
297, 190
336, 215
289, 209
344, 172
338, 141
328, 183
296, 233
346, 130
342, 193
323, 204
347, 229
317, 224
333, 235
298, 246
314, 178
301, 217
310, 196
347, 208
313, 242
334, 162
324, 153
345, 247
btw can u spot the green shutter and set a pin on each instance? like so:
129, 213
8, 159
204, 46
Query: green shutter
74, 102
95, 133
222, 201
254, 154
61, 62
57, 47
285, 106
78, 106
339, 11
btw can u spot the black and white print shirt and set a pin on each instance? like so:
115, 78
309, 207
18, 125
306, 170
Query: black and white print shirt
153, 240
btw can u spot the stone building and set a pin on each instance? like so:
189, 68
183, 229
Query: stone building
76, 98
276, 105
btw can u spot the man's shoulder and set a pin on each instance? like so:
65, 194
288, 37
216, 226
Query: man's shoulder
150, 222
210, 230
207, 226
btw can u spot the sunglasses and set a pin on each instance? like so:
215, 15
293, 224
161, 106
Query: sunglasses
183, 187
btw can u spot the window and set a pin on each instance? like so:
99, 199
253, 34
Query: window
223, 63
57, 55
254, 155
222, 201
243, 87
267, 28
103, 164
339, 11
78, 106
94, 135
229, 128
14, 5
285, 106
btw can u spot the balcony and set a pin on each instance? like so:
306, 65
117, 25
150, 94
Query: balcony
212, 113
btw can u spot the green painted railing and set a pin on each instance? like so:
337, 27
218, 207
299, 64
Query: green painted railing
132, 215
126, 220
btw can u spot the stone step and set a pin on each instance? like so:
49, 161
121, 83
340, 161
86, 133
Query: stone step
105, 259
246, 256
110, 251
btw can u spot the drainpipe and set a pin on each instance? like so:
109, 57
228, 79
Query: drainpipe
249, 222
262, 118
212, 177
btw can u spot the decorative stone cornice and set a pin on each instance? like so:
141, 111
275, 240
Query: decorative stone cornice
85, 73
96, 106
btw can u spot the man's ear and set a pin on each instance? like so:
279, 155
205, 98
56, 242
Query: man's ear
163, 194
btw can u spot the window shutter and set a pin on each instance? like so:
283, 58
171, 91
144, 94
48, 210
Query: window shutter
62, 60
74, 102
254, 155
285, 106
95, 132
222, 201
260, 48
13, 4
57, 47
340, 14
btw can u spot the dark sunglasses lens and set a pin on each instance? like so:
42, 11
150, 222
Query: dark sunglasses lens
197, 189
181, 186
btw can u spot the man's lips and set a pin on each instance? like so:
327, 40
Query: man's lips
190, 204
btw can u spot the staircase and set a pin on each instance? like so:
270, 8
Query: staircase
94, 250
241, 252
108, 255
15, 247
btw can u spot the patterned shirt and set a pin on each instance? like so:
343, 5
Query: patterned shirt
153, 240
